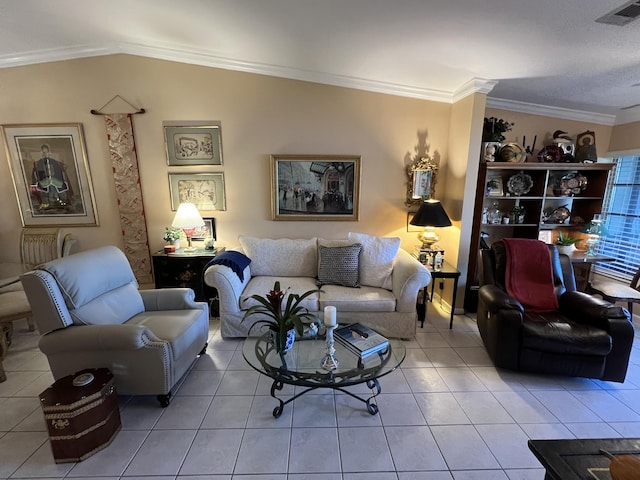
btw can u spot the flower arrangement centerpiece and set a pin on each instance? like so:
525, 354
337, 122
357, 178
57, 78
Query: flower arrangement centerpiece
284, 316
494, 128
171, 234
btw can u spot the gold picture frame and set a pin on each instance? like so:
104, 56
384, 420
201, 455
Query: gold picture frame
315, 187
51, 174
193, 143
204, 190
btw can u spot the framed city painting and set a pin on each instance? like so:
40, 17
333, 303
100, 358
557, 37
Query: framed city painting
50, 173
193, 143
204, 190
315, 187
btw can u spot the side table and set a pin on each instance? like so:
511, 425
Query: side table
447, 271
183, 269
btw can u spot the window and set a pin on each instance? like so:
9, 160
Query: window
621, 209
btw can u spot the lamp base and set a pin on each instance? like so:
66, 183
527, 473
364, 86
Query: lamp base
428, 237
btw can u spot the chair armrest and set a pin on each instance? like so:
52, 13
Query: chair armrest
170, 299
494, 298
98, 337
500, 318
584, 308
407, 278
228, 285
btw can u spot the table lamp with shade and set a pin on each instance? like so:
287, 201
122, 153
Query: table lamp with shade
430, 215
188, 218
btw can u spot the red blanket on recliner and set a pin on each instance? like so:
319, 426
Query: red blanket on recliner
528, 274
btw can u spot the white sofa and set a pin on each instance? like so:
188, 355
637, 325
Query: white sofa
389, 280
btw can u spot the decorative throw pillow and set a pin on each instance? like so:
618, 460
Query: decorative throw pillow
282, 257
376, 259
339, 265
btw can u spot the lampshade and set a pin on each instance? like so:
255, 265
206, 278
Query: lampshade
430, 215
188, 218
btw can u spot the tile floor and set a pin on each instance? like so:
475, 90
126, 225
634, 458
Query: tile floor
446, 414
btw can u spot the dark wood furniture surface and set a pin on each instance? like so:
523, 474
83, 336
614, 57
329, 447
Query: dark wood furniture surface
576, 459
542, 196
446, 272
183, 269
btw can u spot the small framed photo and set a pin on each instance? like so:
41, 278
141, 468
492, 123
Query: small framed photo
204, 190
495, 187
193, 143
51, 176
206, 231
315, 187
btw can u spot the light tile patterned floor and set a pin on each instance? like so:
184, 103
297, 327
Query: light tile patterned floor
446, 414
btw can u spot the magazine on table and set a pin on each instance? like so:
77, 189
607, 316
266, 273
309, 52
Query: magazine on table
361, 340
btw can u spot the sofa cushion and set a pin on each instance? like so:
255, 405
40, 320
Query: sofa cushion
376, 258
339, 265
264, 284
114, 307
281, 257
178, 327
365, 299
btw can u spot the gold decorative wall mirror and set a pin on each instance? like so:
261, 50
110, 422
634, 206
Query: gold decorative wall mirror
421, 180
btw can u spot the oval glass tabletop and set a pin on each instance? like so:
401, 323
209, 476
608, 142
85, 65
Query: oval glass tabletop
302, 365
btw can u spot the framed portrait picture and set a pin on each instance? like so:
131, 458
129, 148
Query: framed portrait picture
204, 190
208, 230
315, 187
50, 173
193, 143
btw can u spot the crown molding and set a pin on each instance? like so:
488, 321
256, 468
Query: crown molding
549, 111
175, 54
475, 85
203, 58
56, 55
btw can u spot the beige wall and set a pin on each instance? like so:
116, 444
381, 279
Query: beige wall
260, 115
625, 139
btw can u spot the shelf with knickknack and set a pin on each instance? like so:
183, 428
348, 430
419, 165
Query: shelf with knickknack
533, 200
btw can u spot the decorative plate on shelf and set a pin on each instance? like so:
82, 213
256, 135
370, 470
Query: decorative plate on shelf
519, 184
557, 215
513, 153
572, 184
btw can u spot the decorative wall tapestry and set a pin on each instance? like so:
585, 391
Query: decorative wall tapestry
124, 161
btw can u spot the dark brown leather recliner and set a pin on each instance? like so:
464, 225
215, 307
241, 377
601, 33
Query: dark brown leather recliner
585, 337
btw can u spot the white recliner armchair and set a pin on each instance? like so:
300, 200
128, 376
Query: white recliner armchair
91, 314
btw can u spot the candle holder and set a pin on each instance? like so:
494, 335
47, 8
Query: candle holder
329, 362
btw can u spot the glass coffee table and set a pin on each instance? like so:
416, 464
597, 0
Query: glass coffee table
302, 367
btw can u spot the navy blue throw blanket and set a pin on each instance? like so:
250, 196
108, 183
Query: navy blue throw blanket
236, 261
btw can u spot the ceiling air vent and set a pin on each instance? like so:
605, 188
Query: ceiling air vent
622, 15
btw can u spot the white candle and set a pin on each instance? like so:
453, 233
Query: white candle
330, 316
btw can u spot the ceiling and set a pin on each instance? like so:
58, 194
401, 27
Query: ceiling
524, 53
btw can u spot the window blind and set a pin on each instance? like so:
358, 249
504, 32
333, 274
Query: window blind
621, 211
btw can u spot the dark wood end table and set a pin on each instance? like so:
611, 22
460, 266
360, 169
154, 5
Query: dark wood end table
446, 272
576, 459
